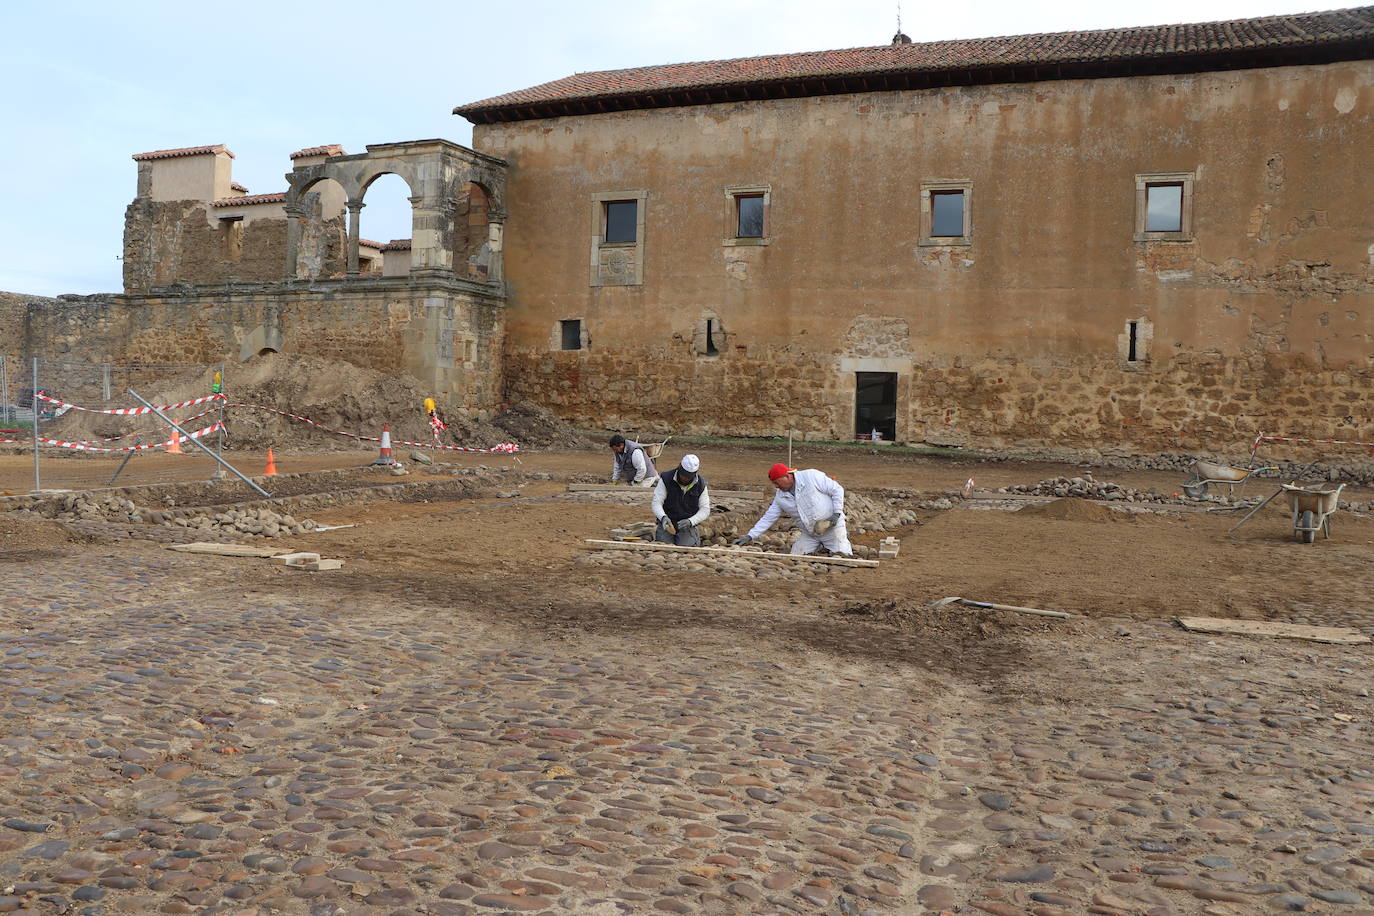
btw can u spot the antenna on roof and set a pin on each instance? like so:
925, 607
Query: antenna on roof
901, 37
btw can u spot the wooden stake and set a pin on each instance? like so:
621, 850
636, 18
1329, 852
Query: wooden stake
596, 544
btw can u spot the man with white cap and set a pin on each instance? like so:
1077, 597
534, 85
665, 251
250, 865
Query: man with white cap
681, 503
815, 501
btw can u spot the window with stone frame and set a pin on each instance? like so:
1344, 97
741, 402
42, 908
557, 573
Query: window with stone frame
946, 212
1164, 206
748, 214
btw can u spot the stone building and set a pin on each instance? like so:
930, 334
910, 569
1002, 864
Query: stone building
1147, 238
1151, 237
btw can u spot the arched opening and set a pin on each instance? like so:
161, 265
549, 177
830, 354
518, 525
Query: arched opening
266, 350
385, 226
322, 249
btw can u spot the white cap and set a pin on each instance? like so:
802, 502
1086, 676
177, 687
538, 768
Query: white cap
690, 463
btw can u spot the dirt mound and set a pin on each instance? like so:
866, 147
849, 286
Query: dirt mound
536, 427
334, 394
21, 536
1072, 509
961, 624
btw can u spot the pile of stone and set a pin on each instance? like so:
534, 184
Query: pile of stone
84, 507
240, 523
1086, 488
737, 564
864, 514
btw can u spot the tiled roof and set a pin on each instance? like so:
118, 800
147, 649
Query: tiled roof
1195, 46
235, 186
184, 151
397, 245
332, 149
371, 244
250, 200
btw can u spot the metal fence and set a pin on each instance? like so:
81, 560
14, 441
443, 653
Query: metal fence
52, 446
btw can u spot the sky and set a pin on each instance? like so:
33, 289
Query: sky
91, 83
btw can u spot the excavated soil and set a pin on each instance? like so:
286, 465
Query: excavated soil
1072, 509
334, 394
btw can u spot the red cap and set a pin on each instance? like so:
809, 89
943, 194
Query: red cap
779, 470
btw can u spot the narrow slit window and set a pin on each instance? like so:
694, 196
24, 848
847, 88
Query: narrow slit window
621, 219
946, 214
711, 349
1164, 207
572, 333
1132, 341
749, 213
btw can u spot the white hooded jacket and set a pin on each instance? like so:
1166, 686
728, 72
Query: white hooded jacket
814, 496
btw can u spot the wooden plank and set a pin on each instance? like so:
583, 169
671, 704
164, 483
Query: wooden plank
1344, 636
611, 487
596, 544
228, 550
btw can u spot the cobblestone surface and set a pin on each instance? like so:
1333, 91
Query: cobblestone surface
171, 744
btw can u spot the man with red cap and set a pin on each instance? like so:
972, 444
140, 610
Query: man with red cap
815, 501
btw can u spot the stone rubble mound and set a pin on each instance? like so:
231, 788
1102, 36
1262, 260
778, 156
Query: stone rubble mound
99, 507
256, 523
1086, 487
84, 507
738, 565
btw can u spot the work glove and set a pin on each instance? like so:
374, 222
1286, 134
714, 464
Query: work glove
826, 524
667, 524
741, 541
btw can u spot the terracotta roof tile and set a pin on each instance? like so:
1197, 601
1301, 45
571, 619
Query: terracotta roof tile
371, 244
397, 245
250, 200
184, 151
332, 149
647, 86
235, 186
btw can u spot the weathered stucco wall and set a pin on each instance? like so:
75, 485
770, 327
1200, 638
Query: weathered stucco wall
1263, 320
446, 337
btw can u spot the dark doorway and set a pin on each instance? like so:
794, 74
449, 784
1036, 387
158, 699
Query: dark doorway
875, 405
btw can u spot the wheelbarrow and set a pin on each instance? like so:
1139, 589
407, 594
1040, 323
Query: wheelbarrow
653, 449
1312, 509
1206, 473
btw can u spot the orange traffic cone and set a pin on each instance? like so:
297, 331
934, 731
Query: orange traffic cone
174, 447
271, 465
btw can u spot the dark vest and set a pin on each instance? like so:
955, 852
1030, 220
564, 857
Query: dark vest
625, 462
677, 503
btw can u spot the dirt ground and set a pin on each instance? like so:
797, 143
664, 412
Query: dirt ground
520, 551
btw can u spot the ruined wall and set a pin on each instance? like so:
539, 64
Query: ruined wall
1261, 318
179, 241
447, 337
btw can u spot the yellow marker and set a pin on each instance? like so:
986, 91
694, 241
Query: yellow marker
429, 405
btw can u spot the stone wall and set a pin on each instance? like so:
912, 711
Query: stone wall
179, 241
1260, 317
448, 335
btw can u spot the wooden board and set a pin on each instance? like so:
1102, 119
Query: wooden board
1345, 636
595, 544
611, 488
228, 550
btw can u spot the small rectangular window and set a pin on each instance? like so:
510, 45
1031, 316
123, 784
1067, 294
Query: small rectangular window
946, 214
749, 209
621, 217
232, 229
1164, 207
572, 333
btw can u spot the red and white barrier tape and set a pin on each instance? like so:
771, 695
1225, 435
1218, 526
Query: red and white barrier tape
131, 411
203, 413
1263, 438
83, 447
503, 448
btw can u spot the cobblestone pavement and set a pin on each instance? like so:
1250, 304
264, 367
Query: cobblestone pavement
170, 744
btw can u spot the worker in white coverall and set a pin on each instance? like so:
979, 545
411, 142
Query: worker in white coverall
681, 503
632, 463
815, 501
